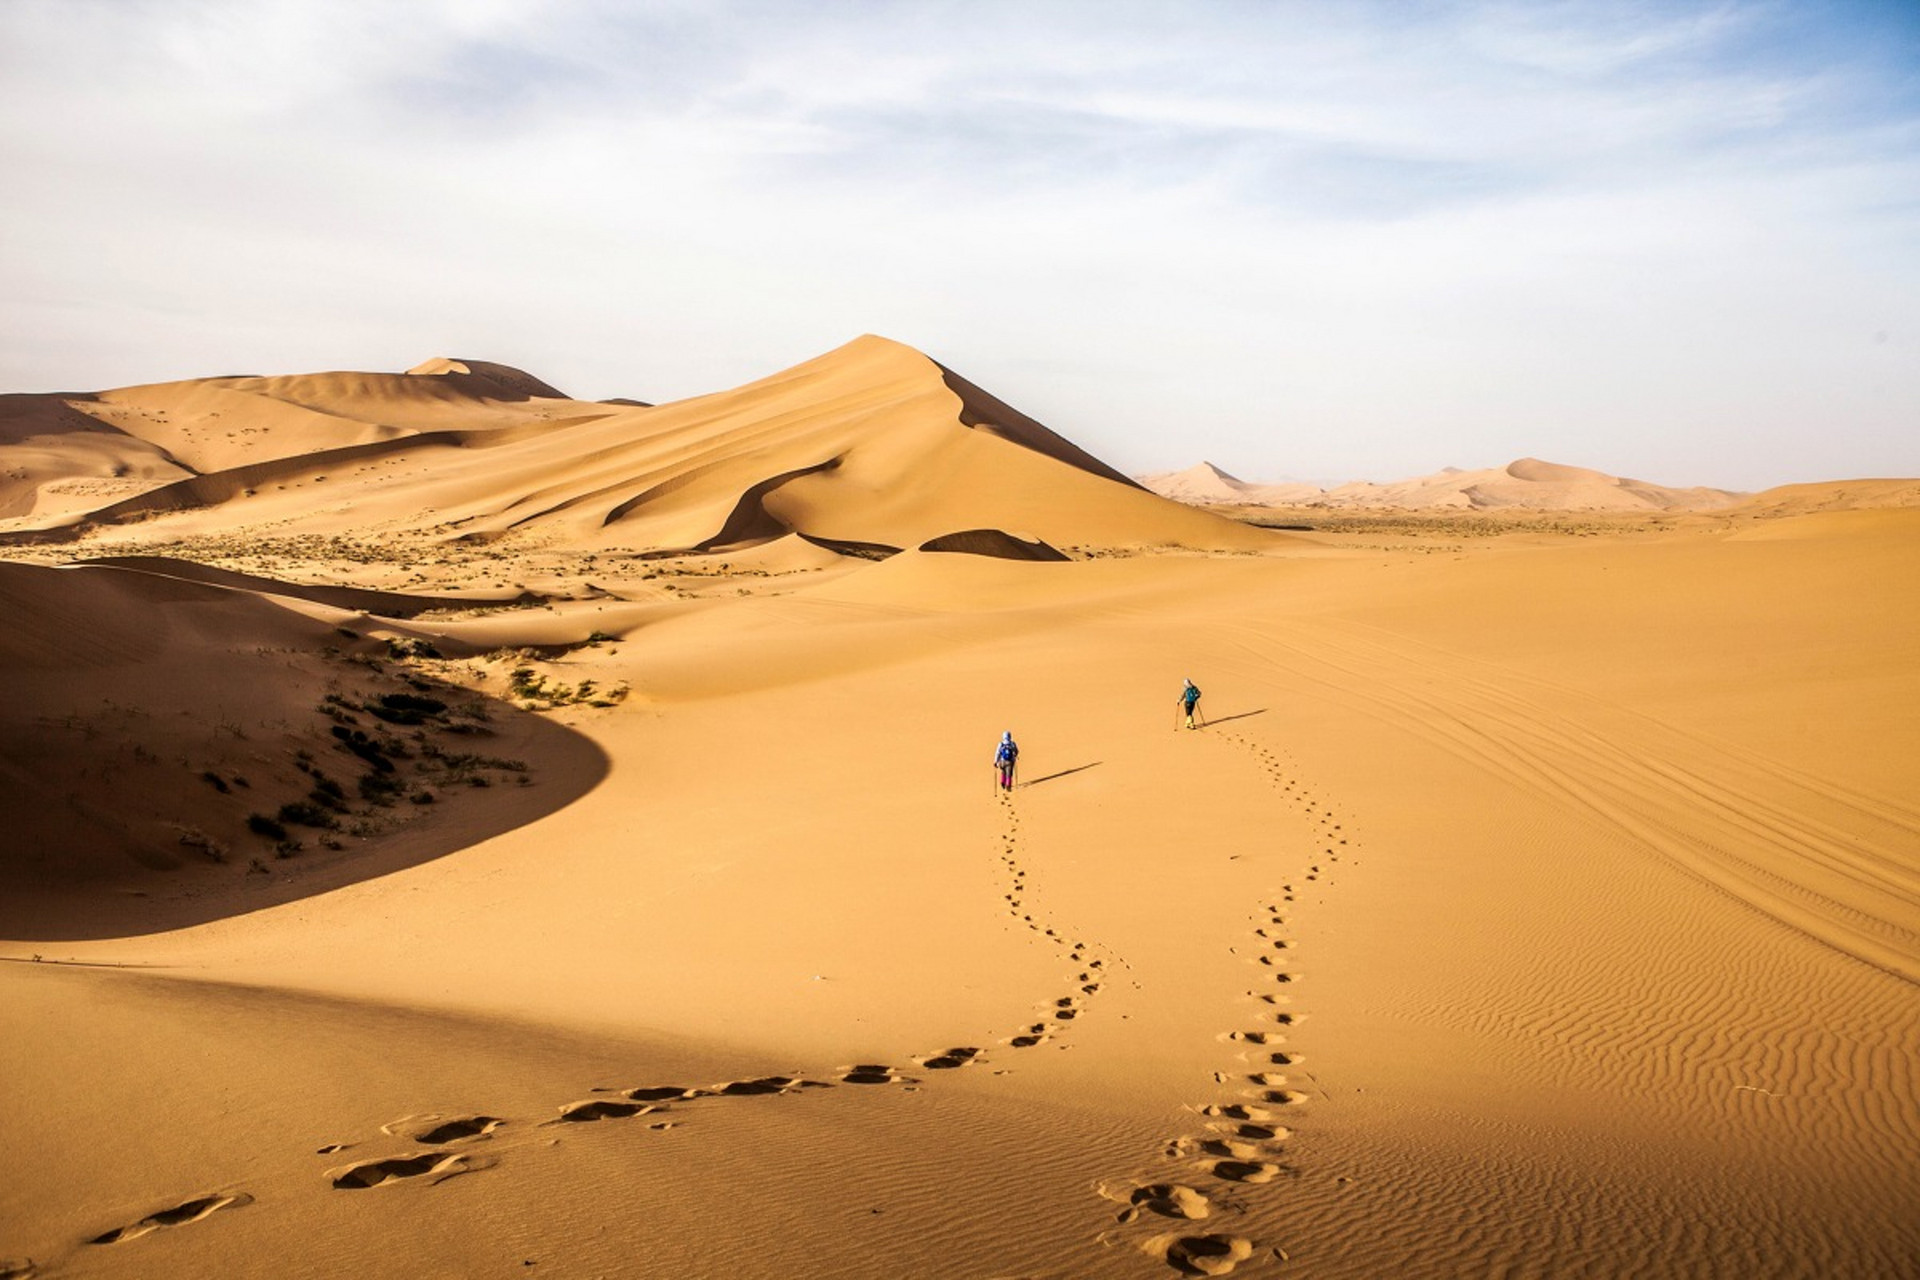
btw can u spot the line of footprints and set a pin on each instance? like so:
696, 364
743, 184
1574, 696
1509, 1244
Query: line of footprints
450, 1141
1239, 1147
1089, 969
1242, 1142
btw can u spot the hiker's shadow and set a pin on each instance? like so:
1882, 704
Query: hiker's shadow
1034, 782
1239, 715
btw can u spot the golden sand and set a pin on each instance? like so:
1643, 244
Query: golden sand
630, 894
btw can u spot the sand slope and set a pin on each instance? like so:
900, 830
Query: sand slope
1543, 904
868, 450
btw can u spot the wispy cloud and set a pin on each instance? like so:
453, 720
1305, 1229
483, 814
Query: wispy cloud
1671, 239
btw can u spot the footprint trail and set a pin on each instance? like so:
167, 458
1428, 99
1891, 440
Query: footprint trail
1239, 1151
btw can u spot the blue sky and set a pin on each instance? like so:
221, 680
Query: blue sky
1306, 240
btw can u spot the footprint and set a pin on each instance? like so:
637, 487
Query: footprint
1169, 1200
179, 1215
1026, 1042
373, 1173
1260, 1132
458, 1128
18, 1269
661, 1093
950, 1059
1228, 1149
600, 1109
765, 1085
1252, 1172
1238, 1111
1208, 1255
873, 1073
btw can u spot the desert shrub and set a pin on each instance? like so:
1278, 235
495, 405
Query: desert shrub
194, 838
356, 741
215, 781
261, 825
306, 814
405, 708
411, 702
411, 647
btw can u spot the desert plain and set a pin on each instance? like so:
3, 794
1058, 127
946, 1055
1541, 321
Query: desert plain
452, 829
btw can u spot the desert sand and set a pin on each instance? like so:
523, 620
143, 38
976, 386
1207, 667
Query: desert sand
454, 830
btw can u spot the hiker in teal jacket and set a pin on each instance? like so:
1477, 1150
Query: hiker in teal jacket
1190, 699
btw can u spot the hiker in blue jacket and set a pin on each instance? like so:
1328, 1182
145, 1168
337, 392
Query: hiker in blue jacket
1190, 698
1005, 758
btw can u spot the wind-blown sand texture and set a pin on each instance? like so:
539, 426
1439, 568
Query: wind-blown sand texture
453, 829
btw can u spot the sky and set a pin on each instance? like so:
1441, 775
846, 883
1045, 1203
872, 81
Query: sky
1321, 241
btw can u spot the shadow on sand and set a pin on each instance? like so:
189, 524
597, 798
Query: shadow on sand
1238, 715
137, 745
564, 765
1082, 768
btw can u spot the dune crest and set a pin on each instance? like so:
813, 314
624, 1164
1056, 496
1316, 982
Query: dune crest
496, 378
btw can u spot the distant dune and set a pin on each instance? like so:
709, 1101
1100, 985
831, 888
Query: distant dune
1526, 484
872, 447
1207, 485
1833, 495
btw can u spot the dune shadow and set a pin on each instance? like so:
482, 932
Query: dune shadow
1238, 715
200, 752
1034, 782
564, 765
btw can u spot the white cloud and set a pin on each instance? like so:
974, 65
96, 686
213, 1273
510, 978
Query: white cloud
1301, 238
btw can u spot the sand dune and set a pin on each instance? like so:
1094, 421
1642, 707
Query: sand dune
872, 447
630, 895
1526, 484
1204, 484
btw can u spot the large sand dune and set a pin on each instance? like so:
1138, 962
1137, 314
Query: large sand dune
872, 448
1534, 903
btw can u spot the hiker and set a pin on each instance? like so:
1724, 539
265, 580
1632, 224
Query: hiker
1005, 758
1190, 698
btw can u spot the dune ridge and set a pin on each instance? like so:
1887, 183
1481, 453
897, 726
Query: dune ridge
870, 445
